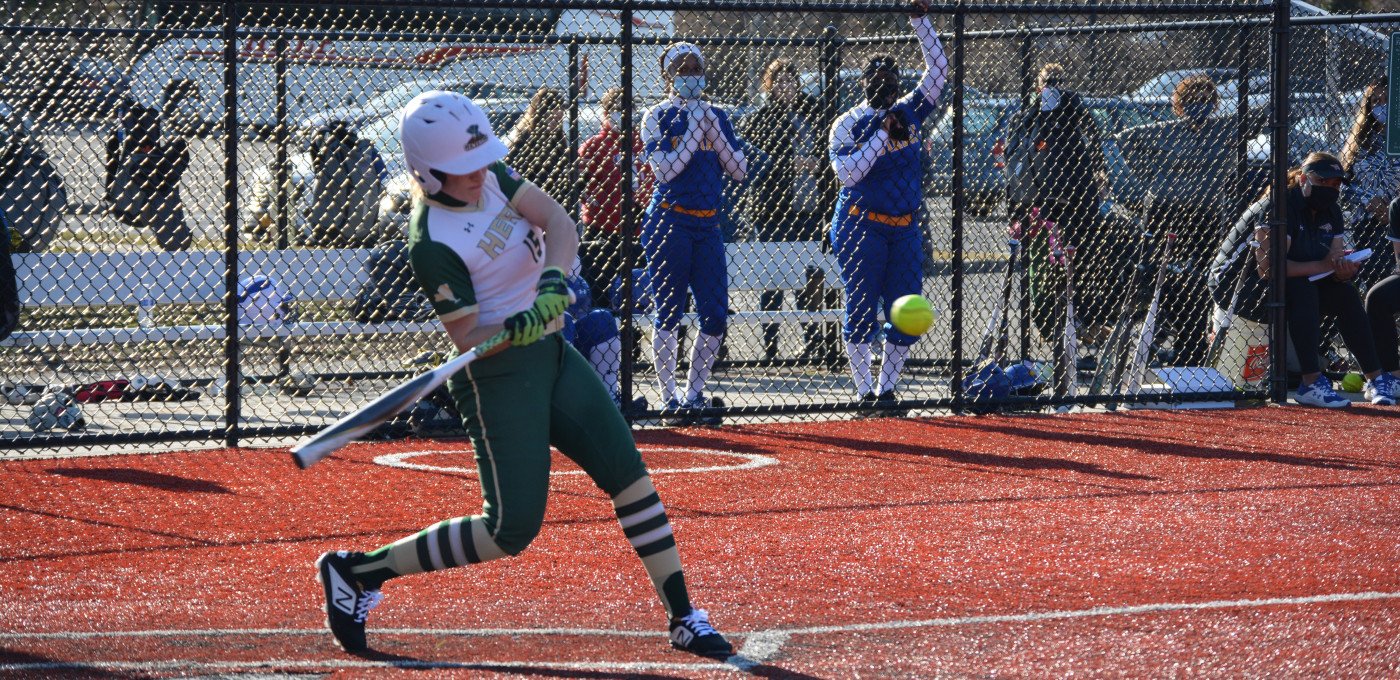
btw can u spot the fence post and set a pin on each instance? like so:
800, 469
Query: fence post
1242, 125
629, 212
1024, 282
571, 200
959, 203
232, 372
284, 222
1278, 225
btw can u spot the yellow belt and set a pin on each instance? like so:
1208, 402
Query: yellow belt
687, 211
891, 220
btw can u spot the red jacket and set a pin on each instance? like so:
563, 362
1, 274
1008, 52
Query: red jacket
600, 160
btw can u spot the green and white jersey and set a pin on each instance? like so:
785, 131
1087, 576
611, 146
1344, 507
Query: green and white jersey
482, 258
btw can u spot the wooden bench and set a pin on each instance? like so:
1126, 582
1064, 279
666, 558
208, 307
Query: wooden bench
119, 279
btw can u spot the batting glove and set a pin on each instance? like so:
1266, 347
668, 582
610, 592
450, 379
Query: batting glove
551, 294
523, 328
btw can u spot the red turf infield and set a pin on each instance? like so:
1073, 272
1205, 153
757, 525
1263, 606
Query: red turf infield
1249, 542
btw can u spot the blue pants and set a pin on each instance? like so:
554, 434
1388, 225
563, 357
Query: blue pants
686, 254
879, 264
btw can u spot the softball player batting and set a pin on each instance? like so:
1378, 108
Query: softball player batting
875, 234
490, 250
691, 147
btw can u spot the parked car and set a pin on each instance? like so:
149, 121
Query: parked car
76, 87
395, 98
1164, 84
985, 123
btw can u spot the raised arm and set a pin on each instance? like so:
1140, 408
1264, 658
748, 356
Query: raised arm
668, 156
935, 62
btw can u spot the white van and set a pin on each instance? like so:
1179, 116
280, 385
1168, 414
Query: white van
335, 73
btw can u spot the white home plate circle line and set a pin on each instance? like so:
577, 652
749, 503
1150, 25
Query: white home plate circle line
750, 461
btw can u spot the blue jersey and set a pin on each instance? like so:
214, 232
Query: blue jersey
893, 181
668, 130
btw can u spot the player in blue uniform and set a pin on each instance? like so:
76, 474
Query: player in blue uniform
594, 333
691, 148
875, 232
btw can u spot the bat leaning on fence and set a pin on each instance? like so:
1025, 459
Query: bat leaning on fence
391, 403
1217, 343
998, 327
1069, 340
1109, 371
1132, 380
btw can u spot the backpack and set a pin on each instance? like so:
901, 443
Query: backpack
390, 292
9, 283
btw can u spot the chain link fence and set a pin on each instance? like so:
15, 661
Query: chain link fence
208, 202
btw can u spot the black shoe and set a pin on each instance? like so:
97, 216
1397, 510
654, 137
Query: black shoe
886, 401
693, 633
347, 602
701, 402
867, 405
676, 413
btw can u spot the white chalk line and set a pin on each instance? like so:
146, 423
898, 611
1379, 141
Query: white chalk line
759, 646
750, 461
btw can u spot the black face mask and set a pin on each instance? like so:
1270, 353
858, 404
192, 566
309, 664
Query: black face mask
1321, 198
881, 92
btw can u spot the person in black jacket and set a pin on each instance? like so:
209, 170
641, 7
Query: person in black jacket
786, 203
1056, 165
143, 176
1315, 248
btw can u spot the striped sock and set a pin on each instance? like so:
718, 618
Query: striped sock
643, 519
453, 543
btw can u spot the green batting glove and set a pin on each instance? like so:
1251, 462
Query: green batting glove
552, 294
523, 328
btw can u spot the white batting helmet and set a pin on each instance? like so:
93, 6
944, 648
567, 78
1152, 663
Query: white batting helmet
447, 132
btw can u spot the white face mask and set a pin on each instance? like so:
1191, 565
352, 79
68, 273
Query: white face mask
1049, 98
1381, 113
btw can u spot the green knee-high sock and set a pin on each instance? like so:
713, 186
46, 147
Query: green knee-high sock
453, 543
643, 519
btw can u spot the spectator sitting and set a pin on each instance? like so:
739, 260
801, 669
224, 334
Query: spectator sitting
786, 203
1383, 299
1315, 245
143, 177
1187, 167
600, 161
1375, 178
32, 195
344, 210
538, 146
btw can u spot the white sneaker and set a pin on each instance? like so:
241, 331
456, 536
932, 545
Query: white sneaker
1320, 393
1382, 388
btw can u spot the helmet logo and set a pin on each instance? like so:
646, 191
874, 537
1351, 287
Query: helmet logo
477, 138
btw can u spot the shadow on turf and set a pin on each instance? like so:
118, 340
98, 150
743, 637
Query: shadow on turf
155, 480
59, 668
1146, 445
861, 447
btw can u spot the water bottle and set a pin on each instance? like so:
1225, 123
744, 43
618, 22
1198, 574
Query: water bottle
145, 307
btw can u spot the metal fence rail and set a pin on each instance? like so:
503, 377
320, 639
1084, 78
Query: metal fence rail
209, 202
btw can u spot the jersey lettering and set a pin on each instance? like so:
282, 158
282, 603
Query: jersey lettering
532, 238
494, 241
